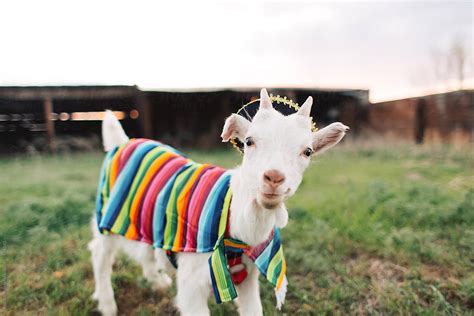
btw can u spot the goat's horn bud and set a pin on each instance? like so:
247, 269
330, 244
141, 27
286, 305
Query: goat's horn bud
305, 109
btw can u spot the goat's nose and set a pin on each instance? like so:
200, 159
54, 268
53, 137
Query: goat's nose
273, 177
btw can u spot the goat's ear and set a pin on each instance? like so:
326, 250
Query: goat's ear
328, 137
305, 109
265, 102
235, 126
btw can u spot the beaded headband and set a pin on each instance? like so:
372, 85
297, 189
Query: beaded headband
282, 104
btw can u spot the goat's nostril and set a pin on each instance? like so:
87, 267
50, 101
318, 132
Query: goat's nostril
273, 177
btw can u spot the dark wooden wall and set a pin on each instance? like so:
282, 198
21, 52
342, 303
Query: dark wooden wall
438, 118
182, 119
196, 119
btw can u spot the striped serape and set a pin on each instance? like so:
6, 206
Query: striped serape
150, 192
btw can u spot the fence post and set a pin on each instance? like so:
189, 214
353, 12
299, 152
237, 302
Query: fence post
145, 117
48, 118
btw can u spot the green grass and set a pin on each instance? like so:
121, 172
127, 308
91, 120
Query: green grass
373, 230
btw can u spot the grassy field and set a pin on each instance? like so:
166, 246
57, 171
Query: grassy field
373, 230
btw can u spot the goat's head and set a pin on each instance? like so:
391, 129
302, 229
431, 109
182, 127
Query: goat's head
278, 148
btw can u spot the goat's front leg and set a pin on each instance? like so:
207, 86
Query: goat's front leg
194, 283
248, 300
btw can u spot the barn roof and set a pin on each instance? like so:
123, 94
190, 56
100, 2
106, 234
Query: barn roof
122, 91
25, 93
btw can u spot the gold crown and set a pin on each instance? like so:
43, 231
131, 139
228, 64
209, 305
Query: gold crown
278, 99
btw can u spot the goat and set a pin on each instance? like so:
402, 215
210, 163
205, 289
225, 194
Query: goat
277, 150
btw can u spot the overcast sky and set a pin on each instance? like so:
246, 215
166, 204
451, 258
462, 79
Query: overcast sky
387, 47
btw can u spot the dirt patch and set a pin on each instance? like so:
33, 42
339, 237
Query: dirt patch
377, 269
461, 182
414, 176
442, 275
384, 270
132, 298
381, 270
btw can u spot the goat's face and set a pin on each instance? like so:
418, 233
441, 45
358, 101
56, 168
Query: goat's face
278, 149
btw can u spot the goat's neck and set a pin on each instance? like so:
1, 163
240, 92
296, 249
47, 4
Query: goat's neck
249, 222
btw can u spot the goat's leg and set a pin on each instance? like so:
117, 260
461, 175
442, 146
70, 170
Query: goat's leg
194, 281
104, 249
248, 300
153, 269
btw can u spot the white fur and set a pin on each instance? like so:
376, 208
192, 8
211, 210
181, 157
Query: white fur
112, 132
255, 209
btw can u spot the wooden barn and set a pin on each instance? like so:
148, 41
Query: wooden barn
29, 114
185, 119
438, 118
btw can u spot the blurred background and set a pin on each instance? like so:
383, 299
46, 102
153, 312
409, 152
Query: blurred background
175, 71
385, 221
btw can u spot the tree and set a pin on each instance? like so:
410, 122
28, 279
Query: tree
450, 65
457, 61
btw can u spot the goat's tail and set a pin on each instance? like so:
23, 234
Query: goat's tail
112, 132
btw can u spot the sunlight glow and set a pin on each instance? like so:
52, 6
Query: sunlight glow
381, 46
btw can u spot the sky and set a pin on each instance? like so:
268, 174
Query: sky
395, 49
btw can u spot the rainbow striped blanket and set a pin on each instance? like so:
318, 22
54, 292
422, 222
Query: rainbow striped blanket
150, 192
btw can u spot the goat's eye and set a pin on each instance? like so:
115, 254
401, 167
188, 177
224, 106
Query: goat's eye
249, 142
308, 152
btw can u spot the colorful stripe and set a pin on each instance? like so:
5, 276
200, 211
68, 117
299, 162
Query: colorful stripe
151, 192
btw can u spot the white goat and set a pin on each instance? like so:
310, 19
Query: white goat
277, 151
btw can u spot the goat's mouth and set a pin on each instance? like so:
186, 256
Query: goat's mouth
275, 195
272, 196
270, 200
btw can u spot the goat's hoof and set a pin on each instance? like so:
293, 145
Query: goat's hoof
161, 282
109, 309
95, 296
